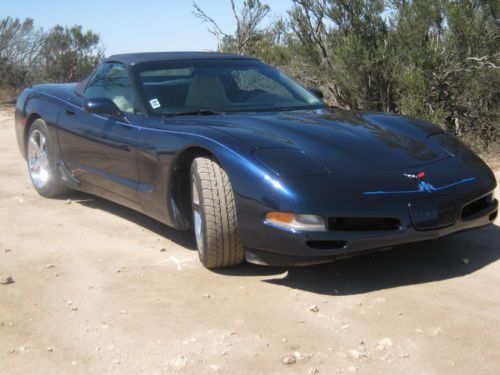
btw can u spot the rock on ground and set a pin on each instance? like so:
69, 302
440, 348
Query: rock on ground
6, 280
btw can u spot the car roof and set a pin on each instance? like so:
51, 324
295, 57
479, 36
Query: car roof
144, 57
137, 58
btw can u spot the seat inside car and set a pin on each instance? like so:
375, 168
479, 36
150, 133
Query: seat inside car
206, 91
123, 99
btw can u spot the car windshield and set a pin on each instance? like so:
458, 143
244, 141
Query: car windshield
214, 86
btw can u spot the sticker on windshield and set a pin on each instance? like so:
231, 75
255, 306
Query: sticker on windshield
154, 103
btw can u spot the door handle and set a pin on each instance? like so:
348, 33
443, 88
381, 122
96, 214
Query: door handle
69, 112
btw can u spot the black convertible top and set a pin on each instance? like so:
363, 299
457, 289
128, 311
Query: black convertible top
144, 57
137, 58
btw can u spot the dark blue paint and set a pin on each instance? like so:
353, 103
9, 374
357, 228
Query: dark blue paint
354, 157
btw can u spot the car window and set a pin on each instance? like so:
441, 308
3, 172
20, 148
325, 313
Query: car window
221, 85
252, 79
112, 81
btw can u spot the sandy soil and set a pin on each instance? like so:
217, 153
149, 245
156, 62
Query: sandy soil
94, 294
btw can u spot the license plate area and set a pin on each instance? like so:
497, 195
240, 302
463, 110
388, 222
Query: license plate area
433, 213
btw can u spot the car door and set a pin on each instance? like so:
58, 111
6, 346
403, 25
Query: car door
99, 150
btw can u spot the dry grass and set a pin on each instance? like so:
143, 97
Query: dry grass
8, 96
492, 159
7, 108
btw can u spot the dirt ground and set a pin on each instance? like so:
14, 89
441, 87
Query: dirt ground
94, 293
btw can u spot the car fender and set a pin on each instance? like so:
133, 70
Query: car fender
30, 106
161, 151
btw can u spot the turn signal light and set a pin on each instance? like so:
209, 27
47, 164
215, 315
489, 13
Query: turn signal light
295, 222
280, 217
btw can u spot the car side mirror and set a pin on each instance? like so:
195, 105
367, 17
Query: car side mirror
316, 92
103, 106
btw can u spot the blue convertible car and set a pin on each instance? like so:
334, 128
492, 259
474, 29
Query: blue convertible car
258, 166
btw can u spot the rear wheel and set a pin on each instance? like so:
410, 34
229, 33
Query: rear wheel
41, 161
214, 215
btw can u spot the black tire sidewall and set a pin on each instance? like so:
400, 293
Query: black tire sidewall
219, 232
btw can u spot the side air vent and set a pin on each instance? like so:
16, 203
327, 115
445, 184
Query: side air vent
327, 245
476, 206
363, 223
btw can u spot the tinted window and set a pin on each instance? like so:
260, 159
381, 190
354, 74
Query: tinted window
112, 81
219, 85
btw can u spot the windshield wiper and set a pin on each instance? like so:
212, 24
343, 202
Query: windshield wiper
293, 109
198, 112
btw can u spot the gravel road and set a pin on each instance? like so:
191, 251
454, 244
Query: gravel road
95, 288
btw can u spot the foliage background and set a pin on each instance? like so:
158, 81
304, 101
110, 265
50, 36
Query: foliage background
29, 55
432, 59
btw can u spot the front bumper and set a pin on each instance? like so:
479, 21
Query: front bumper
274, 246
348, 194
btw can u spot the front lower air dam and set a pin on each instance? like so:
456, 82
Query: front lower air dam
295, 222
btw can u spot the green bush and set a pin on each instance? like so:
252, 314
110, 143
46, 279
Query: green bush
28, 55
433, 59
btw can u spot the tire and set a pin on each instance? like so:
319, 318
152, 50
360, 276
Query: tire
214, 215
41, 156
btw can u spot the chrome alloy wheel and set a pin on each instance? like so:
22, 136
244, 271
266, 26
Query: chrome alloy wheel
197, 219
38, 159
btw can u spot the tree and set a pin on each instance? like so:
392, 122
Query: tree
20, 45
70, 54
248, 32
437, 60
445, 60
29, 55
345, 41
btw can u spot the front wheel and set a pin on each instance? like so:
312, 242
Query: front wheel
214, 215
41, 161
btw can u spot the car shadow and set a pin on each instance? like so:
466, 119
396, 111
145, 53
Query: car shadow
408, 265
181, 238
442, 259
418, 263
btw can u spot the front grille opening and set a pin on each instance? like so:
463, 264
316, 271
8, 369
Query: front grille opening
493, 216
326, 245
476, 206
363, 223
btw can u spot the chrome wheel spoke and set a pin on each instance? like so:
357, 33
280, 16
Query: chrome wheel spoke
196, 196
197, 218
33, 148
33, 164
38, 159
41, 143
44, 157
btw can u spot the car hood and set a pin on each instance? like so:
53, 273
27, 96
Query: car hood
340, 139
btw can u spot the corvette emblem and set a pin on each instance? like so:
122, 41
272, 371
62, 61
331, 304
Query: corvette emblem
422, 186
426, 187
417, 176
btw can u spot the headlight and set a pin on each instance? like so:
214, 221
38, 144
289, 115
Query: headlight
296, 222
